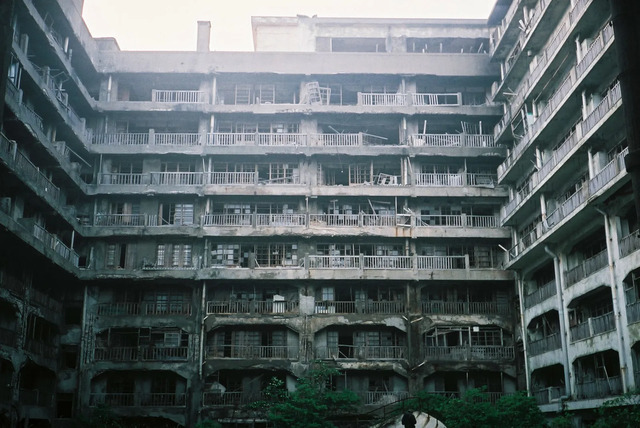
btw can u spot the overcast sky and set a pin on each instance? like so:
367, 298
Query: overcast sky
171, 24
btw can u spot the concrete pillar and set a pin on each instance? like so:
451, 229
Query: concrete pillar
204, 36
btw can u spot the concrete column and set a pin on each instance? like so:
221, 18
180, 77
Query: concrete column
563, 319
578, 49
590, 165
617, 295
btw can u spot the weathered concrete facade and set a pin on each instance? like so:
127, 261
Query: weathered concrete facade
570, 209
204, 221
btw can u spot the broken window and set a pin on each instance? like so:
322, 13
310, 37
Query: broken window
176, 213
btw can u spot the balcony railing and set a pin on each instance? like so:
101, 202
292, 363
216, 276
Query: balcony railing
230, 398
233, 178
469, 353
134, 308
452, 140
178, 96
371, 99
442, 262
53, 242
629, 243
36, 177
121, 220
256, 139
122, 138
361, 352
381, 397
586, 268
541, 294
444, 99
135, 399
633, 312
546, 344
549, 394
334, 262
593, 326
252, 352
387, 262
137, 353
177, 178
435, 179
599, 388
466, 308
393, 307
281, 219
251, 307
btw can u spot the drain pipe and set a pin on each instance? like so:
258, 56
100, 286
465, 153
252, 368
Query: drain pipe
614, 294
563, 325
523, 329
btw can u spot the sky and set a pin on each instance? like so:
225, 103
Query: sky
170, 25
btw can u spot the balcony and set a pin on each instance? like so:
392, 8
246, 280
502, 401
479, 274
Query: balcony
346, 140
256, 139
599, 388
586, 268
230, 398
359, 307
231, 307
548, 395
465, 308
453, 140
434, 179
469, 353
593, 327
252, 352
361, 352
546, 344
541, 294
414, 99
629, 243
633, 312
150, 309
137, 353
178, 96
381, 397
134, 399
53, 242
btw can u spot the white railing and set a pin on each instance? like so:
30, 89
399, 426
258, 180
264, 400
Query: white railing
232, 177
441, 262
369, 99
387, 262
227, 220
453, 140
119, 220
177, 178
123, 178
231, 139
444, 99
122, 138
176, 139
436, 179
605, 106
178, 96
334, 262
281, 219
336, 140
349, 220
281, 139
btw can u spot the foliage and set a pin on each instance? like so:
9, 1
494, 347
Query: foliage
311, 405
621, 412
208, 423
100, 417
475, 410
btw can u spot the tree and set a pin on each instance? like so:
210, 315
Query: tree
621, 412
311, 405
475, 410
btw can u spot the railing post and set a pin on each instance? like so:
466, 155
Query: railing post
152, 137
467, 265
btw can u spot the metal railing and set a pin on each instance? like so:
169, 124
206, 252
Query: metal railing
135, 399
361, 352
546, 344
252, 352
377, 99
232, 177
586, 268
441, 262
469, 353
230, 398
435, 99
629, 243
281, 219
251, 307
359, 307
122, 220
453, 140
139, 353
549, 394
436, 179
387, 262
334, 262
465, 308
381, 397
541, 294
593, 326
599, 388
178, 96
122, 138
177, 178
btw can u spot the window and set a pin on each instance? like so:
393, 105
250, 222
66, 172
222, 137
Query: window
178, 214
174, 255
116, 256
327, 293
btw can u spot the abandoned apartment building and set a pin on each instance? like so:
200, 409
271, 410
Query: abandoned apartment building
424, 204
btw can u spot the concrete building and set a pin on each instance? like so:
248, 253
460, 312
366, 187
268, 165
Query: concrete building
419, 203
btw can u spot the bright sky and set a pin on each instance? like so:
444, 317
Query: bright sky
170, 25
